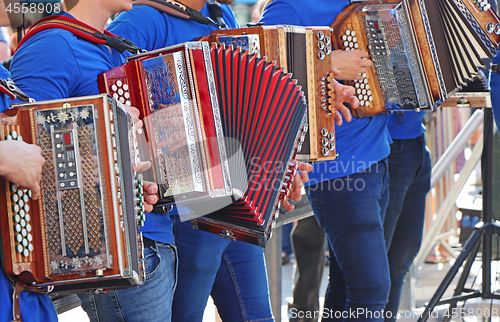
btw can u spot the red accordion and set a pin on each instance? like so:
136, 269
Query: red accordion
222, 126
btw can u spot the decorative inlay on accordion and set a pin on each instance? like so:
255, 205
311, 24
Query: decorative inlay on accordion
83, 231
304, 52
222, 126
423, 50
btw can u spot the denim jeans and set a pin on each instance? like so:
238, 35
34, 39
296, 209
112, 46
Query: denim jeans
152, 301
232, 272
410, 179
351, 211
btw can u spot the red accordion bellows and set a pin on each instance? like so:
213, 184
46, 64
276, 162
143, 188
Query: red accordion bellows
247, 116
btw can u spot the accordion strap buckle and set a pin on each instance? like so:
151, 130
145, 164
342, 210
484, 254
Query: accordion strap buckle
226, 233
495, 68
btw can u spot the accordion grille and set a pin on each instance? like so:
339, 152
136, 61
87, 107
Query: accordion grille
49, 193
94, 223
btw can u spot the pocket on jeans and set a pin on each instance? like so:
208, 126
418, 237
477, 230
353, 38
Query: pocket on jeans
396, 146
152, 262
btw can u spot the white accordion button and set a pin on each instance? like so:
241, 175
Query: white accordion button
29, 237
114, 88
125, 87
19, 248
30, 247
19, 238
27, 217
26, 253
17, 218
17, 228
119, 83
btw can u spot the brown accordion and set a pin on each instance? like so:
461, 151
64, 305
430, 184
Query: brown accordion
83, 231
423, 50
221, 127
304, 52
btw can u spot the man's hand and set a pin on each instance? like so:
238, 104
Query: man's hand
150, 189
344, 93
294, 193
22, 163
350, 63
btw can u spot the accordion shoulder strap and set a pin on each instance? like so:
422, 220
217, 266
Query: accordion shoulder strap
8, 87
178, 9
83, 31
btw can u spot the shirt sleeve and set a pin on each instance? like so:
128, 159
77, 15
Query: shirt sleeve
279, 12
43, 73
146, 35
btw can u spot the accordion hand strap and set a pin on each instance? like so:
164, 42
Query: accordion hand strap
178, 9
84, 31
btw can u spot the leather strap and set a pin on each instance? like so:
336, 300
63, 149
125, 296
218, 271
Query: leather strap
178, 9
8, 87
495, 68
83, 31
16, 309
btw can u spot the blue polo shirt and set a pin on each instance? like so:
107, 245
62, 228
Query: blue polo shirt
361, 142
151, 29
406, 125
56, 64
34, 307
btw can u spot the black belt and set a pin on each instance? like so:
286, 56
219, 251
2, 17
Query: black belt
495, 68
148, 242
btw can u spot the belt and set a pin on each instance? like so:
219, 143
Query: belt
148, 242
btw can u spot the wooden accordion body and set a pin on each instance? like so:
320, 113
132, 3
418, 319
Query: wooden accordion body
304, 52
423, 50
83, 231
222, 126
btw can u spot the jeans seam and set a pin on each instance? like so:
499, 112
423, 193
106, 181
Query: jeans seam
120, 312
175, 267
94, 307
236, 286
155, 271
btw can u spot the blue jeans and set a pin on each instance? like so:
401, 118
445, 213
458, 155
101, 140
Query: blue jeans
232, 272
410, 180
152, 301
351, 211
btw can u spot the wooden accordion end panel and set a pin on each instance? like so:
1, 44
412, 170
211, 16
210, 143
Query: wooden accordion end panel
82, 233
222, 125
305, 53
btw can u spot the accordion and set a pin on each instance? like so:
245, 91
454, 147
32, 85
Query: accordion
83, 231
423, 50
304, 52
221, 127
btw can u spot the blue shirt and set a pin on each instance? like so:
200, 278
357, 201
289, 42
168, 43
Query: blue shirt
34, 307
406, 126
69, 71
151, 29
361, 142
